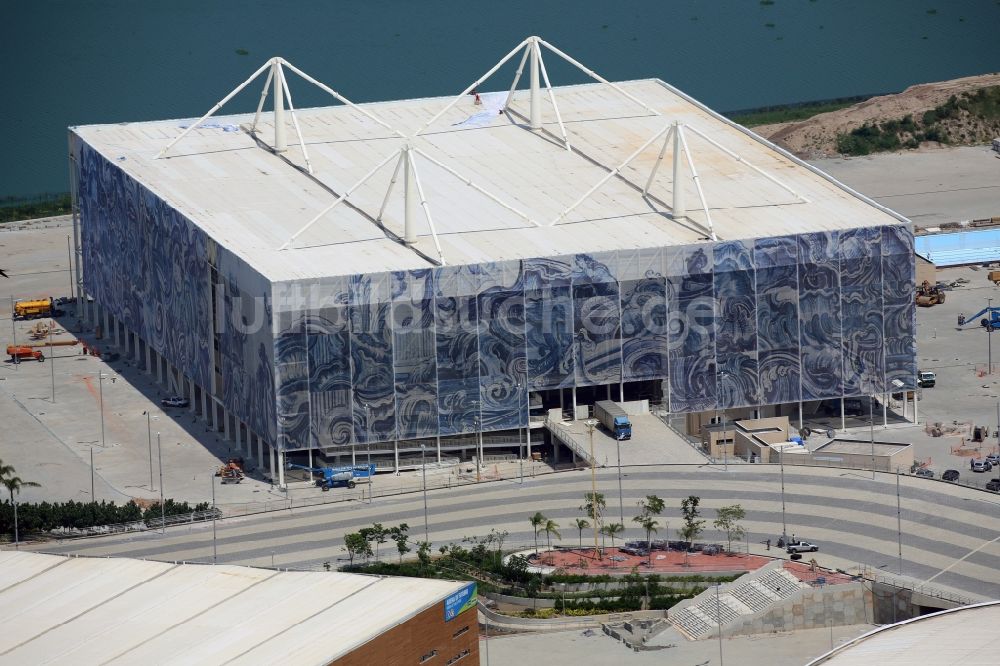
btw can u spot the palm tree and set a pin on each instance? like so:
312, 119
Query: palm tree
551, 527
14, 484
650, 525
613, 529
581, 524
537, 521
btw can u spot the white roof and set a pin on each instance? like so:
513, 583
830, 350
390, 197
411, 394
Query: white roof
964, 635
90, 611
252, 201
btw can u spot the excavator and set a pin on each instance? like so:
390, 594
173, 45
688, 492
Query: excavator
928, 294
232, 471
337, 476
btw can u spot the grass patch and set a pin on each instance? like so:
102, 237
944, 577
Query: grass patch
13, 209
789, 113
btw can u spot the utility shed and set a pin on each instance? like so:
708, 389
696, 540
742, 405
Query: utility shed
63, 610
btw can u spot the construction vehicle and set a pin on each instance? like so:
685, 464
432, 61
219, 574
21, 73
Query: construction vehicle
338, 476
232, 471
614, 418
42, 307
928, 294
19, 353
989, 322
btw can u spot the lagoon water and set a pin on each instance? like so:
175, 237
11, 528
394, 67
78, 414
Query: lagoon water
75, 62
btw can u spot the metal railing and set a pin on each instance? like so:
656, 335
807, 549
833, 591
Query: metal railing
154, 523
903, 583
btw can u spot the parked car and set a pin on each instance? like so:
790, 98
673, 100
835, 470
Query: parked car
993, 459
175, 401
926, 379
802, 547
980, 465
994, 485
950, 475
924, 472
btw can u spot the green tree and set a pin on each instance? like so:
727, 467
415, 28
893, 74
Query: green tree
13, 484
398, 534
728, 520
652, 505
424, 554
581, 524
593, 506
613, 530
649, 525
689, 512
537, 522
357, 545
379, 535
551, 527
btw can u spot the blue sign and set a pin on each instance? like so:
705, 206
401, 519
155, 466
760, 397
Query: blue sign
460, 602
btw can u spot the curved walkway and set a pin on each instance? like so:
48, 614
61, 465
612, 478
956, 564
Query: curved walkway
949, 533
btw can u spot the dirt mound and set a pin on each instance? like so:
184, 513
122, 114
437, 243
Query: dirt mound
817, 136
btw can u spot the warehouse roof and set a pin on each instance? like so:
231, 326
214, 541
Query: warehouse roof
90, 611
253, 201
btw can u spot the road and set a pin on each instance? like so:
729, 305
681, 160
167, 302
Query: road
949, 533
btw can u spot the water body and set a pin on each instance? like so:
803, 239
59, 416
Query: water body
76, 62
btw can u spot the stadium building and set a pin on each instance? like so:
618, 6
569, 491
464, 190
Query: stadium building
381, 276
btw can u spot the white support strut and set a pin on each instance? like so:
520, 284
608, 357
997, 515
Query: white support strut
341, 198
517, 78
474, 84
659, 159
611, 174
295, 121
280, 142
342, 99
470, 183
215, 108
552, 96
597, 77
388, 191
427, 210
263, 98
740, 159
697, 182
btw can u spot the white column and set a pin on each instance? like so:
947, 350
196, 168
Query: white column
395, 454
529, 442
191, 403
270, 451
310, 457
915, 414
885, 410
281, 469
439, 449
678, 184
904, 404
260, 450
535, 114
574, 403
843, 417
280, 143
412, 199
117, 331
225, 425
204, 406
149, 361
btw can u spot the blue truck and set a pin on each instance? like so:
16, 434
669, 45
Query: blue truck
614, 418
338, 476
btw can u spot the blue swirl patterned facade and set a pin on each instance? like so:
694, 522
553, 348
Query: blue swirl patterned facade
446, 351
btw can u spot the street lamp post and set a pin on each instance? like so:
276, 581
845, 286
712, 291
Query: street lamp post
621, 501
871, 424
149, 440
725, 444
215, 552
591, 423
423, 471
368, 440
784, 524
989, 338
92, 497
899, 525
159, 463
100, 388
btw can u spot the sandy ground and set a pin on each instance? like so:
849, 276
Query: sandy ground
816, 136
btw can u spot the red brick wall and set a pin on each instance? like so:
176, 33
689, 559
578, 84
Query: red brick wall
407, 643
